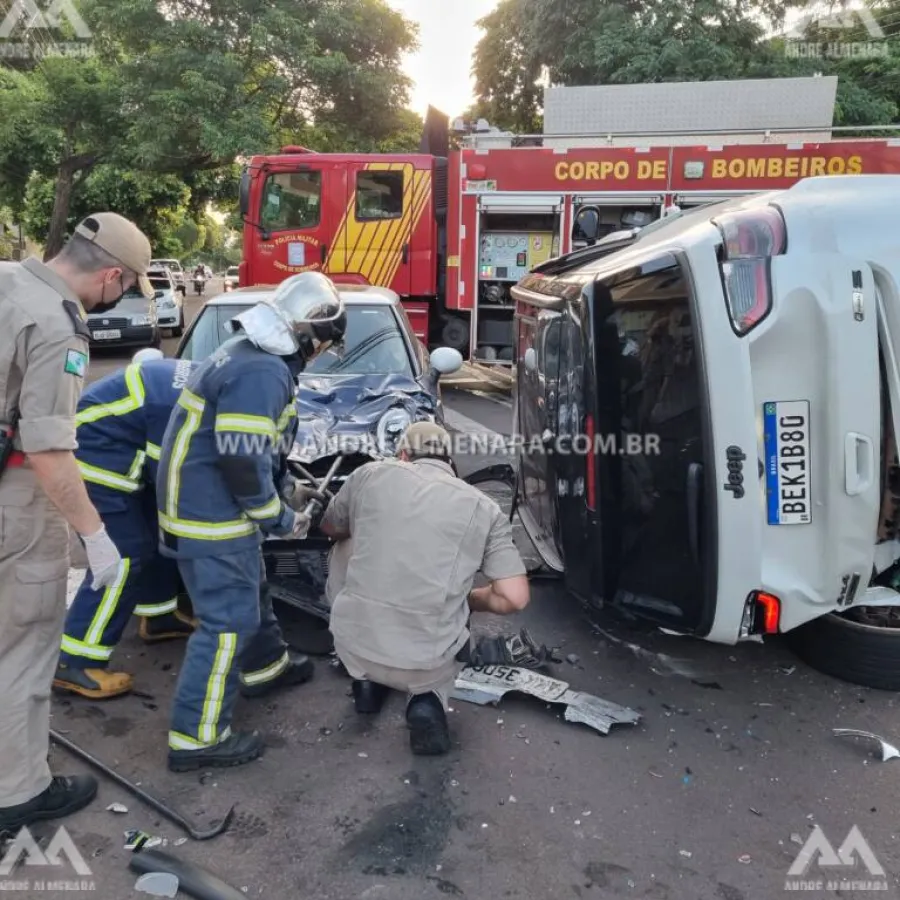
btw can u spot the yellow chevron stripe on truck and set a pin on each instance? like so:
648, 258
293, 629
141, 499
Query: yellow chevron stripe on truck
373, 250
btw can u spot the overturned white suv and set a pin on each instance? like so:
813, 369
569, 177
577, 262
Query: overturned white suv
735, 370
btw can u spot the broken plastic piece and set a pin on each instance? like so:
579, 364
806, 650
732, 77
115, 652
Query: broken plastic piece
117, 808
488, 684
157, 884
888, 751
136, 840
192, 880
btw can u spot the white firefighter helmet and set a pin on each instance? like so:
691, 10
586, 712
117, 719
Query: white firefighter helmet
147, 354
305, 315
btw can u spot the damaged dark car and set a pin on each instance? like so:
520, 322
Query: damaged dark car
352, 408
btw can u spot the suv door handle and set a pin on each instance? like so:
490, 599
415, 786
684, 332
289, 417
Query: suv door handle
859, 463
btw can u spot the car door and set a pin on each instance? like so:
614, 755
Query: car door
373, 240
537, 399
570, 465
299, 215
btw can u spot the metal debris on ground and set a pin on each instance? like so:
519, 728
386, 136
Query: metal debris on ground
157, 884
660, 663
888, 751
485, 685
117, 808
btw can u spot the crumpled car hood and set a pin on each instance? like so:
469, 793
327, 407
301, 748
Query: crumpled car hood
340, 413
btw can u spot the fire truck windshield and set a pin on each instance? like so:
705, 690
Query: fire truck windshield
291, 200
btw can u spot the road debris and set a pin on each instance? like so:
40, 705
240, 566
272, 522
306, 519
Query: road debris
796, 839
157, 884
485, 685
686, 853
117, 808
660, 663
888, 751
746, 859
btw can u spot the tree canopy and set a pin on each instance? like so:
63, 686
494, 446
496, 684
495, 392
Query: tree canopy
171, 92
599, 42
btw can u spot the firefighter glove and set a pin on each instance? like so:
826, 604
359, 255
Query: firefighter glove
104, 559
301, 526
302, 496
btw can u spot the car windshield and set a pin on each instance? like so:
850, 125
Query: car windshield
161, 284
233, 270
131, 304
374, 344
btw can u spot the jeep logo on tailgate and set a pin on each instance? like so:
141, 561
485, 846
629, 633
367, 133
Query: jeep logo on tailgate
735, 458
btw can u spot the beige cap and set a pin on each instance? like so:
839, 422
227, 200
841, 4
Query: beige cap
425, 438
123, 240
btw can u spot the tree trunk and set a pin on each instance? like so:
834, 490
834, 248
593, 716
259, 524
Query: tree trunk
62, 200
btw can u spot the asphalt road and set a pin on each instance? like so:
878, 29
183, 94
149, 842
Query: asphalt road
709, 797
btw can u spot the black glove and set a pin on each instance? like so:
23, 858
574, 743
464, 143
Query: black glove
518, 650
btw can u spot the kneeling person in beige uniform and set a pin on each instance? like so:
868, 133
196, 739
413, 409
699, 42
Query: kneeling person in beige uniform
412, 537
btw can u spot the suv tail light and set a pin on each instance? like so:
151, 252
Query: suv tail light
762, 614
750, 238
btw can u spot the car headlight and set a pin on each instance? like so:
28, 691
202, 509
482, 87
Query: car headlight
390, 429
140, 320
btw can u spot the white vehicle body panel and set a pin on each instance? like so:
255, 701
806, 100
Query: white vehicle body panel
818, 344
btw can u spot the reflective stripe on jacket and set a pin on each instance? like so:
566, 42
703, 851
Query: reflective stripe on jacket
216, 490
121, 421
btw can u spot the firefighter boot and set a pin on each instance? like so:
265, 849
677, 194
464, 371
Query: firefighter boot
236, 750
170, 627
298, 670
95, 684
429, 734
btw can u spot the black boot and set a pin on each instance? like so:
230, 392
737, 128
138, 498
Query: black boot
236, 750
299, 670
369, 697
427, 721
64, 797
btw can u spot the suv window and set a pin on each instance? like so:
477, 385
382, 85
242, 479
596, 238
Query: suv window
379, 195
291, 200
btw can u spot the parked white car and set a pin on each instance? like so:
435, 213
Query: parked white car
170, 303
757, 341
177, 270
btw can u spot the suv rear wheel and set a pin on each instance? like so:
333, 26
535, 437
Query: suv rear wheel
861, 645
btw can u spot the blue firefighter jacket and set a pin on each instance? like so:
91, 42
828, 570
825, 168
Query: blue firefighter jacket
121, 420
224, 446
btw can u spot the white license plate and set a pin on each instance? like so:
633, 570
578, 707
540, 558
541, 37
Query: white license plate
788, 482
109, 335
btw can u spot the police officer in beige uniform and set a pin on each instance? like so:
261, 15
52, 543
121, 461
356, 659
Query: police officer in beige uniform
412, 537
43, 361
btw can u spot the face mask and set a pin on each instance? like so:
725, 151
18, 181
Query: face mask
106, 305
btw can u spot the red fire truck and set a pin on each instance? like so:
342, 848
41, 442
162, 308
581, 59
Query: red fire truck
451, 234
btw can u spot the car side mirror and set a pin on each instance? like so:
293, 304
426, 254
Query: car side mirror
530, 360
587, 224
446, 360
244, 193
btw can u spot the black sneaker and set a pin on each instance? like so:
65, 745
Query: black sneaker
299, 670
63, 797
429, 734
236, 750
369, 697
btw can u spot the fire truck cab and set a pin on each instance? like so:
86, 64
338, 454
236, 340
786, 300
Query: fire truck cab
452, 234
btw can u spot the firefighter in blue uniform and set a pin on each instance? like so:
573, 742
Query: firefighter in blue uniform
220, 491
120, 422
